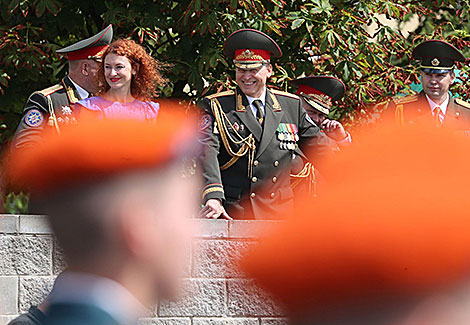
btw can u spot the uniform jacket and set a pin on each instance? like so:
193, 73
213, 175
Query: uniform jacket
415, 109
256, 187
77, 314
51, 107
33, 317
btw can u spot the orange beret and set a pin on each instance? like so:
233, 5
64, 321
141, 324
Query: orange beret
393, 222
99, 148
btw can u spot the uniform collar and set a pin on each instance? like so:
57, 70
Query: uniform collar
100, 292
81, 92
262, 98
443, 106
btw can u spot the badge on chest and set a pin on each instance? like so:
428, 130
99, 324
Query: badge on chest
288, 134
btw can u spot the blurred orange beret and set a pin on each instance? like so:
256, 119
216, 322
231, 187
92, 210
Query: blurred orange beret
99, 148
393, 222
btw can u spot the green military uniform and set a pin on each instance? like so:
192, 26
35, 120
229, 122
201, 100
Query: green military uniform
247, 165
319, 92
436, 57
415, 109
53, 106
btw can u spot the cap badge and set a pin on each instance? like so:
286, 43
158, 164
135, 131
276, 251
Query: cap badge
319, 98
249, 55
435, 62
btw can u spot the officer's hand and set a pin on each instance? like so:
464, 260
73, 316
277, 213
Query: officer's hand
334, 130
213, 210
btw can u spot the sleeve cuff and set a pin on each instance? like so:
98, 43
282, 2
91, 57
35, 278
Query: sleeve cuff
213, 191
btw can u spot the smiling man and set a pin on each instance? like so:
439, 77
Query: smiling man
435, 101
250, 136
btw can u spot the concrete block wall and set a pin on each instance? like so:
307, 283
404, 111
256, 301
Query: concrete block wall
215, 291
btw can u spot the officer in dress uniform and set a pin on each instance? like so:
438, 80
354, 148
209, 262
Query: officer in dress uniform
317, 94
250, 135
434, 103
53, 106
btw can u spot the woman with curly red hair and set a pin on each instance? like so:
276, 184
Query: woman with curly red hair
128, 78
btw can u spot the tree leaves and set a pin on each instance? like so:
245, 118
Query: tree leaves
317, 37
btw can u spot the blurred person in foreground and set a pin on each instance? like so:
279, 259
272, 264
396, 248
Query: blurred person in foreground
128, 77
317, 94
53, 107
394, 251
113, 192
437, 63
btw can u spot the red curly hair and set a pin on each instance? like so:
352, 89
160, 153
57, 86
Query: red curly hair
148, 76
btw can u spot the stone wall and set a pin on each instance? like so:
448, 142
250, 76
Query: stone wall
215, 291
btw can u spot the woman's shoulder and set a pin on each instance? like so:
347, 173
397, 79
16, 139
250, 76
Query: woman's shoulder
151, 109
154, 105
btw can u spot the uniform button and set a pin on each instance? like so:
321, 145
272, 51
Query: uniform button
273, 195
274, 179
254, 179
256, 163
276, 163
253, 195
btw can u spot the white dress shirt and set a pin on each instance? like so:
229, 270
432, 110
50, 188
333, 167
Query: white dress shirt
443, 107
81, 92
262, 99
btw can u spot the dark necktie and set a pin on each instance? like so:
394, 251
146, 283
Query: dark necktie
259, 110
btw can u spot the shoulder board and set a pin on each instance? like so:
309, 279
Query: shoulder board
460, 102
51, 90
221, 94
405, 100
283, 93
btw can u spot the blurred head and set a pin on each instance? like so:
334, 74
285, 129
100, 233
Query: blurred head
252, 82
117, 198
138, 222
372, 250
129, 65
436, 85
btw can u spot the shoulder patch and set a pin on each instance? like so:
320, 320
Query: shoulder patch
205, 121
283, 93
51, 90
405, 100
221, 94
34, 118
463, 103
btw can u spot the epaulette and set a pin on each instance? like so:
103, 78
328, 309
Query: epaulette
221, 94
405, 100
460, 102
51, 90
284, 93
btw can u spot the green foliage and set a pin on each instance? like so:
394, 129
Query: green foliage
316, 36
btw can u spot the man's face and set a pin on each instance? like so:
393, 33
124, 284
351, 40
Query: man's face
90, 71
252, 82
314, 114
436, 85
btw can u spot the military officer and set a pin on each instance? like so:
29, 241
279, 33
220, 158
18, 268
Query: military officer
317, 94
250, 134
434, 102
53, 106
